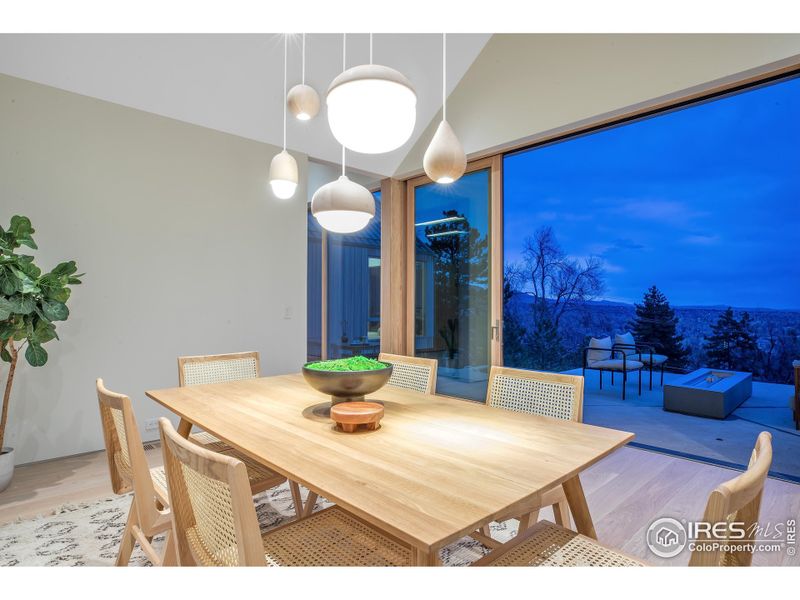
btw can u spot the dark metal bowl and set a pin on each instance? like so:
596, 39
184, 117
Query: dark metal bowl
346, 386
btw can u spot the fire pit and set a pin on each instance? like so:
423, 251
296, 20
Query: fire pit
708, 393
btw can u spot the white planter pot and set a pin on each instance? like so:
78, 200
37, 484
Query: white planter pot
6, 467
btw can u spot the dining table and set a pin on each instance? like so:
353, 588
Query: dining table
436, 469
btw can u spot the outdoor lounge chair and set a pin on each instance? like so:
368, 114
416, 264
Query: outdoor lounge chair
601, 355
643, 352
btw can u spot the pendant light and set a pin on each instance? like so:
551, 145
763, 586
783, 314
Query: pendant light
343, 206
283, 168
303, 99
371, 108
444, 160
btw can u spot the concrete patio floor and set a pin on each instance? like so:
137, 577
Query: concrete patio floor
728, 442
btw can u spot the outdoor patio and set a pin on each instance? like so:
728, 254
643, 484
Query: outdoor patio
725, 442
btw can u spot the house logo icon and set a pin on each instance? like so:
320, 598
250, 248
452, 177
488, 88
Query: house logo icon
666, 537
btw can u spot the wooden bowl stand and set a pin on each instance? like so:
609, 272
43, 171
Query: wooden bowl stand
348, 416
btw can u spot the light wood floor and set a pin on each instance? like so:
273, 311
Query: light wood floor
626, 492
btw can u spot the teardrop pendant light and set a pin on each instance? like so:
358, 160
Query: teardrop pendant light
371, 108
444, 160
283, 168
303, 99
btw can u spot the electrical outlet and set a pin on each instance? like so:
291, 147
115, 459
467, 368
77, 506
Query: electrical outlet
287, 312
151, 425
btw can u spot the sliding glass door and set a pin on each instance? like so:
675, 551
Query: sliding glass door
451, 273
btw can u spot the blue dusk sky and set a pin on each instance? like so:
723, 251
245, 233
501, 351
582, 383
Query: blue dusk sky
703, 202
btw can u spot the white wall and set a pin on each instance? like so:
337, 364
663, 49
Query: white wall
525, 85
184, 248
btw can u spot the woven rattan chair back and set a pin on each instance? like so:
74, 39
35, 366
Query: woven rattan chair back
214, 519
218, 368
127, 463
738, 502
412, 373
536, 392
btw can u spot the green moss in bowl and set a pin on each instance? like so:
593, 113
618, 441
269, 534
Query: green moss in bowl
354, 363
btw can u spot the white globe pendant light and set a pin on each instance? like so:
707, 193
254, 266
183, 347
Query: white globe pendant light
371, 108
444, 160
303, 100
343, 206
283, 168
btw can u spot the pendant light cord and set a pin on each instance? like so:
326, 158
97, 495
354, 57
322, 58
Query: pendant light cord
444, 77
304, 60
370, 48
344, 68
285, 42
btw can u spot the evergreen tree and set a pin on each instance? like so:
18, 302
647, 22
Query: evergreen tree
732, 343
656, 324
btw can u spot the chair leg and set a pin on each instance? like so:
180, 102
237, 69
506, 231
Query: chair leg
612, 377
640, 382
297, 499
128, 540
601, 380
526, 520
662, 375
170, 558
651, 377
624, 382
561, 514
311, 500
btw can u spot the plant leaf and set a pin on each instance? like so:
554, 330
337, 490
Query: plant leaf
22, 230
5, 309
35, 355
65, 268
5, 355
44, 332
9, 284
55, 311
22, 305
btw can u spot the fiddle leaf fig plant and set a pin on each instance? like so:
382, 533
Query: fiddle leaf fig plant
31, 302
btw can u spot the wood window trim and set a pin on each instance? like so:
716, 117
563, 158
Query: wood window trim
495, 166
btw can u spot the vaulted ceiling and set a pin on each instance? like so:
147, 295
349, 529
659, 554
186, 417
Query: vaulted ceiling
234, 83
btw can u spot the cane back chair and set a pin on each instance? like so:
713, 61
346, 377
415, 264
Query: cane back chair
127, 464
412, 373
220, 368
536, 393
736, 501
215, 521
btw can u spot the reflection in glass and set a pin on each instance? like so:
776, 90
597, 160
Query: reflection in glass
354, 290
314, 290
451, 308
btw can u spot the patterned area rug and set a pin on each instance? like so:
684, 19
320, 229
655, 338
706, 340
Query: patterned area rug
89, 534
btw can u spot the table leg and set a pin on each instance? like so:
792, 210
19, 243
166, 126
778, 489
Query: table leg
580, 509
184, 428
426, 559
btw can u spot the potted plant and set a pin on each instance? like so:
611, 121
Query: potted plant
30, 304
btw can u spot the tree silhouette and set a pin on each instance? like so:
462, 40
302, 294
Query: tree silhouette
655, 323
732, 343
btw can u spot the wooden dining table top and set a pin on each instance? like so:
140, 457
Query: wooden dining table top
435, 470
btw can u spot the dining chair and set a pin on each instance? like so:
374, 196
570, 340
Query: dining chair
221, 368
215, 522
735, 501
535, 393
149, 514
412, 373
